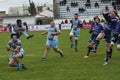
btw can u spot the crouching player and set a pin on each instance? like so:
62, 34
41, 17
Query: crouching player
15, 46
95, 30
52, 40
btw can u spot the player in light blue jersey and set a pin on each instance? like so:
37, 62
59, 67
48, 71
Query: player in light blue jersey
52, 40
15, 46
75, 31
19, 30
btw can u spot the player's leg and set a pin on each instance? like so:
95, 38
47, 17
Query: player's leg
26, 35
108, 53
100, 36
71, 38
90, 47
47, 49
56, 49
12, 62
17, 58
95, 47
76, 33
118, 43
76, 44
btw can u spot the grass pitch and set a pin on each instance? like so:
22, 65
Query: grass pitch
71, 67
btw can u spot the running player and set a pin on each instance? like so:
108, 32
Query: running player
95, 30
52, 40
18, 30
116, 35
75, 31
110, 25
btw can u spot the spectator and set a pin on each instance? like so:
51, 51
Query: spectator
87, 5
62, 22
96, 5
88, 1
106, 8
68, 9
66, 21
84, 22
81, 10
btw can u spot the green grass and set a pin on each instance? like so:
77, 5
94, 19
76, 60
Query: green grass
71, 67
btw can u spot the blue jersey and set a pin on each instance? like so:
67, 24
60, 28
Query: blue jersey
51, 36
15, 27
111, 22
117, 28
76, 24
15, 44
96, 28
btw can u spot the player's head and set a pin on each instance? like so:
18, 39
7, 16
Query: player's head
75, 16
52, 24
113, 13
19, 22
14, 37
96, 19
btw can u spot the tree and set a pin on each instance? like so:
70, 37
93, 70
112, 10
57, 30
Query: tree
32, 8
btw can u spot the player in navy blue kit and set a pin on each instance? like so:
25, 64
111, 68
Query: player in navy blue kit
95, 30
116, 35
110, 25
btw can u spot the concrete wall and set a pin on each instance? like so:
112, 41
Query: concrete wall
12, 20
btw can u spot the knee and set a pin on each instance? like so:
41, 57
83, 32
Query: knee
10, 64
47, 47
56, 50
76, 38
71, 34
118, 47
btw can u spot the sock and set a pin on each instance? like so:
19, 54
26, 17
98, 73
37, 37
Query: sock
76, 43
108, 55
18, 65
61, 53
71, 40
89, 49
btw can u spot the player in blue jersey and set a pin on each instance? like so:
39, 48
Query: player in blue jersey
93, 43
110, 25
52, 40
75, 31
19, 30
15, 46
116, 35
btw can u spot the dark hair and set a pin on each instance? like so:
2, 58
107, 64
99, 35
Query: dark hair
76, 14
96, 17
19, 20
13, 35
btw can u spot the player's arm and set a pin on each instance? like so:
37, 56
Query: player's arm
107, 17
80, 24
56, 33
119, 35
20, 29
43, 33
11, 49
8, 47
17, 48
